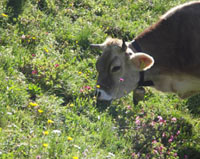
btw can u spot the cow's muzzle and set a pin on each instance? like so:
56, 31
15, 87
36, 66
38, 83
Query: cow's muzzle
102, 95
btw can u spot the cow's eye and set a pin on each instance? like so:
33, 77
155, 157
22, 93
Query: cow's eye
116, 68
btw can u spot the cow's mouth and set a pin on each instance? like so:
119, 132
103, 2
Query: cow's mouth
102, 95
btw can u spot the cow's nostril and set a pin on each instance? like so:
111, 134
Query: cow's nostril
99, 94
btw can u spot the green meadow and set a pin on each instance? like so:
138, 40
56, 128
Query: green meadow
47, 81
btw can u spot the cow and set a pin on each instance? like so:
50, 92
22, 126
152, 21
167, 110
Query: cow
165, 56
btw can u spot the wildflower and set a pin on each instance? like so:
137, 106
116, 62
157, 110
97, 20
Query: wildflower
56, 131
56, 65
171, 139
175, 154
71, 105
155, 151
34, 72
121, 80
33, 38
75, 157
46, 50
137, 122
163, 134
23, 36
98, 86
79, 73
87, 87
40, 111
33, 55
178, 132
129, 107
38, 157
133, 154
76, 42
50, 121
32, 104
69, 138
45, 145
45, 132
4, 15
154, 142
173, 119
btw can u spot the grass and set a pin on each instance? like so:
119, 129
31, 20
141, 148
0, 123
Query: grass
47, 80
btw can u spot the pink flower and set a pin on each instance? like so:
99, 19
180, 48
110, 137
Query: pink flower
33, 55
178, 132
129, 107
34, 72
56, 65
133, 154
163, 135
154, 142
121, 80
171, 139
87, 87
173, 119
152, 123
160, 118
175, 154
155, 151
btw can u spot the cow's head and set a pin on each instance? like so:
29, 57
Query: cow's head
118, 69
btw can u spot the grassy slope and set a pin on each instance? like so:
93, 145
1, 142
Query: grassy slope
45, 59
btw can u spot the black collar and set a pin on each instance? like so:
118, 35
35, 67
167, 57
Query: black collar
141, 81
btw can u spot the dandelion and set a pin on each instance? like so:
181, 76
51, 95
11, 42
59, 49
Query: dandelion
45, 132
32, 104
4, 15
97, 86
45, 145
69, 138
46, 50
50, 121
71, 105
40, 111
75, 157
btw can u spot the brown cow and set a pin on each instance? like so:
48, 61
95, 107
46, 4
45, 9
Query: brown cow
165, 56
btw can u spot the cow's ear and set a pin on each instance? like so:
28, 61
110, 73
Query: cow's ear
142, 61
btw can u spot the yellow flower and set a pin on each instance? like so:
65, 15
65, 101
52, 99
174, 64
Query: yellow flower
75, 157
45, 145
69, 138
33, 38
45, 132
50, 121
98, 86
79, 73
40, 111
31, 104
4, 15
46, 50
71, 105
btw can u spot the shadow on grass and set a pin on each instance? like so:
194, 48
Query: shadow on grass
190, 153
193, 104
15, 7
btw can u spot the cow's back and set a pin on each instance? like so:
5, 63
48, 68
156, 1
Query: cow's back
174, 41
